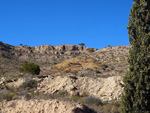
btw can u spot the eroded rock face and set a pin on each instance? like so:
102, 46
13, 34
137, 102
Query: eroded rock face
42, 106
44, 48
69, 48
49, 48
103, 88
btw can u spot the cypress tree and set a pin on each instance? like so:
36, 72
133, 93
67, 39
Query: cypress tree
136, 95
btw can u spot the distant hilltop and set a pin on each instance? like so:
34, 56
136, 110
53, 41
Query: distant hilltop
47, 48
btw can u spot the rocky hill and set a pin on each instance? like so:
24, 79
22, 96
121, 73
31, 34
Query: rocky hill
68, 73
12, 57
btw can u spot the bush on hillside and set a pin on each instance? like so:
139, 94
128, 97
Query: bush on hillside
81, 44
30, 68
90, 50
29, 84
92, 101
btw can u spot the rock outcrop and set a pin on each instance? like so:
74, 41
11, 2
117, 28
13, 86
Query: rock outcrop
103, 88
42, 106
49, 48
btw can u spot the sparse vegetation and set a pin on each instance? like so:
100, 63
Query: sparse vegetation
97, 71
81, 75
90, 50
104, 66
74, 72
29, 84
92, 101
2, 55
62, 93
68, 71
9, 96
114, 107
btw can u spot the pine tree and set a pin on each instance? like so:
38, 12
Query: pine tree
136, 95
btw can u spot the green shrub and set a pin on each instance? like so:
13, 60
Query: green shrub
74, 72
21, 69
81, 44
62, 93
9, 96
82, 75
104, 66
97, 71
28, 96
90, 50
31, 68
92, 101
29, 84
85, 94
68, 71
2, 55
106, 108
77, 99
114, 107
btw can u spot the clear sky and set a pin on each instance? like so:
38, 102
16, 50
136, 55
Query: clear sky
97, 23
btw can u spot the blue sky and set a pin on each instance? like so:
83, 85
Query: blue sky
97, 23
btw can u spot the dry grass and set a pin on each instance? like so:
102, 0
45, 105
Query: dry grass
75, 65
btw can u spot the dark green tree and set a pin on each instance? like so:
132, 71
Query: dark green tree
30, 68
81, 44
136, 95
